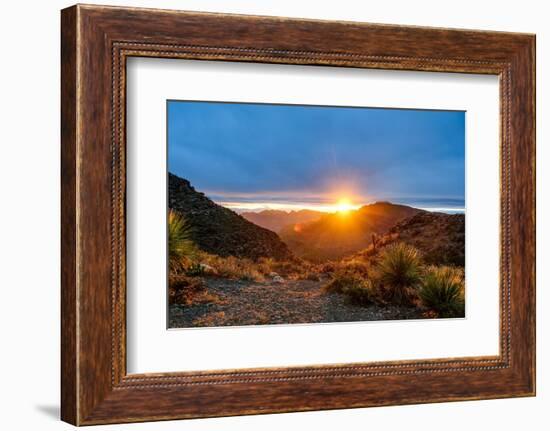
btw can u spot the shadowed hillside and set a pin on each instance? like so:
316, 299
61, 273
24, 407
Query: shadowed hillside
220, 231
338, 234
276, 220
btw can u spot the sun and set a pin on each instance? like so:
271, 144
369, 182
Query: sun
343, 206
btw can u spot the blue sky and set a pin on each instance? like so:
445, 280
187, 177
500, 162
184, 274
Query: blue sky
255, 156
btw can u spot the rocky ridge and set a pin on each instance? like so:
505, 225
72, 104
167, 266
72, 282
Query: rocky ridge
219, 230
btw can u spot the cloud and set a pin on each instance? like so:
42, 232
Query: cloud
263, 149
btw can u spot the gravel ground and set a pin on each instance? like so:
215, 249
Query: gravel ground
252, 303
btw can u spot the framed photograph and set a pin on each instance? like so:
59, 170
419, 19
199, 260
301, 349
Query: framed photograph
266, 215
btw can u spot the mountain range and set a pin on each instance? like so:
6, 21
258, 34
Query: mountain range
335, 235
275, 220
317, 236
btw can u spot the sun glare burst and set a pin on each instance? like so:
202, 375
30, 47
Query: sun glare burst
343, 206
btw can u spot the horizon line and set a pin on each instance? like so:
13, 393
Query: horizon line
257, 207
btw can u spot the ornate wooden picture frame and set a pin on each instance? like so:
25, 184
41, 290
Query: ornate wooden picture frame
96, 41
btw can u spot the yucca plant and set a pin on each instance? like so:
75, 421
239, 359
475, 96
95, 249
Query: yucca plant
180, 244
443, 291
399, 271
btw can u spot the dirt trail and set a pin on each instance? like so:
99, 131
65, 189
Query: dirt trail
294, 301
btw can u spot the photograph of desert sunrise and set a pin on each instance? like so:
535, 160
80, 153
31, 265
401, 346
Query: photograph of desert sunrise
284, 214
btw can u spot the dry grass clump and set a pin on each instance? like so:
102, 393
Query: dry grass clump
232, 267
184, 290
328, 268
265, 265
312, 276
355, 265
211, 319
245, 269
295, 269
181, 288
363, 293
357, 288
292, 269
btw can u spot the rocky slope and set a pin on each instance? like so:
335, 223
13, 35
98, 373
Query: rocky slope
220, 231
439, 237
276, 220
336, 235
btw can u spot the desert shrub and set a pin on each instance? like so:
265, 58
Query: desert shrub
248, 273
195, 270
216, 318
341, 280
288, 268
357, 288
443, 291
357, 266
265, 265
181, 288
371, 251
184, 290
180, 244
205, 297
399, 271
296, 269
327, 268
361, 293
311, 275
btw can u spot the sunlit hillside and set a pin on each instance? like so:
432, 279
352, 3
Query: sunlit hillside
343, 232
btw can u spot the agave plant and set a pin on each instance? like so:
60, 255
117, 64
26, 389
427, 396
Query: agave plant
443, 291
180, 244
399, 271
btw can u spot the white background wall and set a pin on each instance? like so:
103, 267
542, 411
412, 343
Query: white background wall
29, 224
